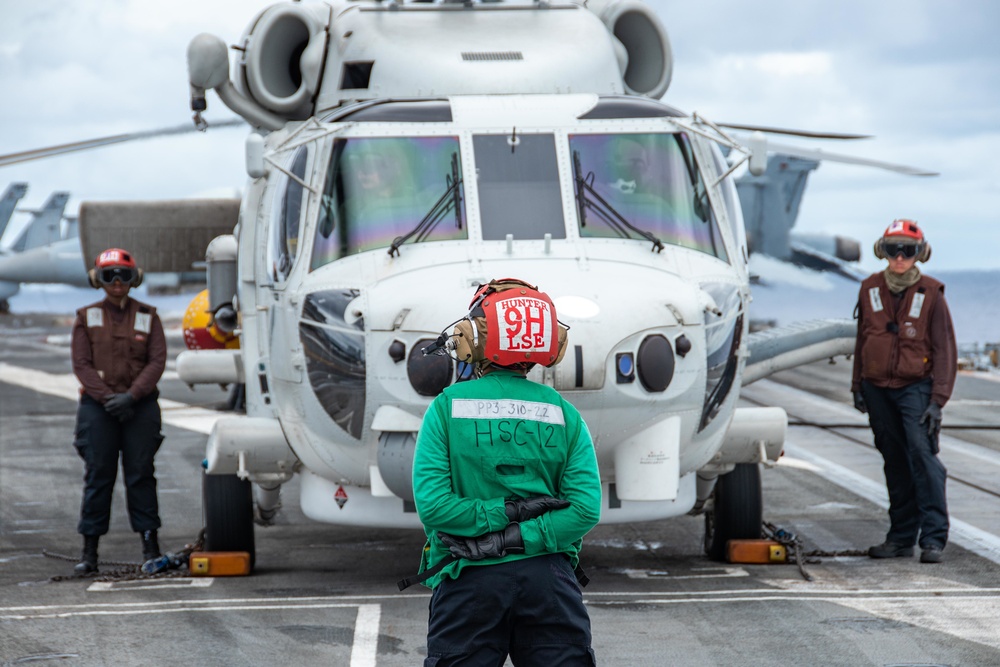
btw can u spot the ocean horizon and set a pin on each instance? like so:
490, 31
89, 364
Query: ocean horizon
788, 294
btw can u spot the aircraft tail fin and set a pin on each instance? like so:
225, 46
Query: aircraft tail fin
8, 202
44, 229
771, 203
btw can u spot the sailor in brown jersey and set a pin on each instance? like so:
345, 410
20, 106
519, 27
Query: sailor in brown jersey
904, 370
119, 353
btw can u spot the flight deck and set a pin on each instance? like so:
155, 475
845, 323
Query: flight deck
324, 594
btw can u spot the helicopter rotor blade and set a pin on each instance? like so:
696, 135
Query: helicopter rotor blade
51, 151
818, 154
796, 133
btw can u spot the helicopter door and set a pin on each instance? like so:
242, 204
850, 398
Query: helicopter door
518, 181
289, 203
290, 200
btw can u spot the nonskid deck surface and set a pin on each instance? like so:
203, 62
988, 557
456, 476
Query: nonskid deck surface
327, 594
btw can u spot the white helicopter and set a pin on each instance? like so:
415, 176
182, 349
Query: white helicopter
404, 154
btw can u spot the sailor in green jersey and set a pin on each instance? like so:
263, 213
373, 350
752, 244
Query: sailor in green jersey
506, 484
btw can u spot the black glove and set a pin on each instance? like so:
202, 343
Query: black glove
490, 545
859, 402
932, 417
522, 509
121, 406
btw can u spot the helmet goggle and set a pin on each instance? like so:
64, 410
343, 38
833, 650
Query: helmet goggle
109, 275
891, 248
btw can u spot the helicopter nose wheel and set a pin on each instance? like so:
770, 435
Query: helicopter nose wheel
737, 510
228, 506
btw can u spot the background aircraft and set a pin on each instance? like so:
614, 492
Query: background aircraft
771, 205
8, 202
46, 229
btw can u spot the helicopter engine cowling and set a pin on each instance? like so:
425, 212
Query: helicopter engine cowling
648, 64
284, 50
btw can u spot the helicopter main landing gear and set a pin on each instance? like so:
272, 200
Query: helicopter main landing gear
228, 506
737, 510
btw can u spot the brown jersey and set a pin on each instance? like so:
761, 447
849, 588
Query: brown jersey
905, 338
118, 349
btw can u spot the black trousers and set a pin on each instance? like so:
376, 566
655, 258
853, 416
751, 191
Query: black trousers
100, 440
531, 609
914, 475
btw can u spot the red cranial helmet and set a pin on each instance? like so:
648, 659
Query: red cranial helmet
903, 237
510, 323
902, 228
115, 264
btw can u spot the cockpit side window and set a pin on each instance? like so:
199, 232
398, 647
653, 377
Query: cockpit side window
729, 195
518, 181
382, 189
283, 241
643, 186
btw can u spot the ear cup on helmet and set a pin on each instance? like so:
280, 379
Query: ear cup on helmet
92, 277
468, 347
563, 339
138, 278
925, 254
879, 252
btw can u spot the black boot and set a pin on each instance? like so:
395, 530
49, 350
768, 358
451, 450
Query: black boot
88, 560
150, 547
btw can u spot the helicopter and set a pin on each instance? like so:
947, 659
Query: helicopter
404, 154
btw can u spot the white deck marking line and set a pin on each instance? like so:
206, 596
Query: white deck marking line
973, 621
805, 590
150, 584
364, 651
346, 600
65, 385
791, 598
721, 573
948, 443
964, 534
809, 589
176, 610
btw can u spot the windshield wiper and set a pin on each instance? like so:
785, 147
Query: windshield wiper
602, 209
451, 199
700, 192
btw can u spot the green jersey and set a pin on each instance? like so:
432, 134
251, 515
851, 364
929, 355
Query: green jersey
498, 438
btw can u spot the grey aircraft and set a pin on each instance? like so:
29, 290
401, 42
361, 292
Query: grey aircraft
33, 244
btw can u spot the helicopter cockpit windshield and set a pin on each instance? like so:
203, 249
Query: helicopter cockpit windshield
380, 189
643, 186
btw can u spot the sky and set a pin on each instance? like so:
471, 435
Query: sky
923, 76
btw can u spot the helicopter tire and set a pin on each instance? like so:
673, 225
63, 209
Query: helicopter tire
228, 507
737, 511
